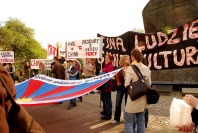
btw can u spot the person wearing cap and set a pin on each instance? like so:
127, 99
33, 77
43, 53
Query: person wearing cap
72, 73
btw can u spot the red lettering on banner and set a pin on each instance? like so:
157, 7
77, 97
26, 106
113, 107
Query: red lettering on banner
115, 59
155, 62
174, 33
181, 62
185, 32
6, 60
141, 48
188, 55
115, 43
51, 50
153, 40
35, 62
149, 60
165, 53
110, 43
90, 53
160, 35
119, 41
190, 51
193, 29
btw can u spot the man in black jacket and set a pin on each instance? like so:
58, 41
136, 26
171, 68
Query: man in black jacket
58, 71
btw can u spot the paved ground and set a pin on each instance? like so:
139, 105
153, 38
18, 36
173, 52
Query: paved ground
85, 117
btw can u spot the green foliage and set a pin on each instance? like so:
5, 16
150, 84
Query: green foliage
138, 30
166, 28
80, 60
15, 36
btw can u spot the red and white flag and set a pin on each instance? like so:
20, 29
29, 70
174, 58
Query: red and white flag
51, 51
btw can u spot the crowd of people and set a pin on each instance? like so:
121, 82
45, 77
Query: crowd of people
134, 115
11, 70
135, 112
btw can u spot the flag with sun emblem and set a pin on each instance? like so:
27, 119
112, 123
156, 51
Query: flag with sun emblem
42, 89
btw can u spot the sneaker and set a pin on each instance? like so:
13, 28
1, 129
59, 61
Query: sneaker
114, 122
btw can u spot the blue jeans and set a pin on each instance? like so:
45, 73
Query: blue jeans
132, 119
121, 91
107, 104
73, 102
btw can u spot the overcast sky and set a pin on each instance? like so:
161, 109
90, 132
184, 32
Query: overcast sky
68, 20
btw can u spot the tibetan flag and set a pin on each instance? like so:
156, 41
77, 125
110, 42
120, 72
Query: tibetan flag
42, 89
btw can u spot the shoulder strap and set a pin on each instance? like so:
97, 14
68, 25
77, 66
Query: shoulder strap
137, 71
139, 74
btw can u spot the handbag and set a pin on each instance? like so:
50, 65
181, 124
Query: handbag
141, 87
138, 88
152, 96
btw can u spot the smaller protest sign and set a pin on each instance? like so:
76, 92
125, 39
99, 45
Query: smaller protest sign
87, 48
6, 56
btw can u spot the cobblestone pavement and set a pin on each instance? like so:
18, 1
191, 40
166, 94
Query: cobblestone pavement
85, 117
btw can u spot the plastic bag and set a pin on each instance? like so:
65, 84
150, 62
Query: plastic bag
180, 113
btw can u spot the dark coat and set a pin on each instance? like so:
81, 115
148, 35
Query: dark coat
23, 121
58, 71
108, 68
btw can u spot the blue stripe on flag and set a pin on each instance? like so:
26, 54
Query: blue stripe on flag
46, 87
21, 88
75, 89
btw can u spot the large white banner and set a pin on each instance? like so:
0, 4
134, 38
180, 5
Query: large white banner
35, 63
87, 48
6, 56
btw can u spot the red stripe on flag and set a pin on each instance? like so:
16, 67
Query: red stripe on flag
78, 92
37, 104
33, 86
54, 91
